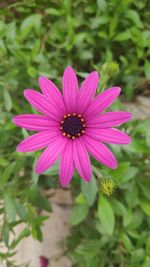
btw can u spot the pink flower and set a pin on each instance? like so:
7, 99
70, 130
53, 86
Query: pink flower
72, 125
43, 261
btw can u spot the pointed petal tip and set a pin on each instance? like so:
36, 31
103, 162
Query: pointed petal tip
129, 140
87, 180
37, 170
69, 68
14, 120
130, 115
117, 89
95, 74
114, 165
26, 92
63, 184
18, 149
40, 79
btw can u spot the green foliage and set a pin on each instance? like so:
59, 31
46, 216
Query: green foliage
118, 224
42, 38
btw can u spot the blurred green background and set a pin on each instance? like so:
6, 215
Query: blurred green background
41, 38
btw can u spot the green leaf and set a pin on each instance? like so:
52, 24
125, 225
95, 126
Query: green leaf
3, 162
123, 36
37, 199
31, 71
106, 214
7, 100
148, 246
7, 173
24, 233
119, 173
20, 210
118, 207
129, 174
134, 17
36, 224
126, 241
101, 4
137, 255
10, 207
146, 262
127, 218
145, 205
5, 233
33, 21
89, 190
52, 11
79, 213
147, 69
90, 248
131, 195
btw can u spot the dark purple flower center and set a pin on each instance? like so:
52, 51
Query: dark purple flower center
72, 125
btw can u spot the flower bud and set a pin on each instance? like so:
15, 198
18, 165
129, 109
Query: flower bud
107, 186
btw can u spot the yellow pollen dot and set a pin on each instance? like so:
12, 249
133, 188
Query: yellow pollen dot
82, 120
68, 115
79, 116
73, 137
74, 114
82, 131
62, 122
68, 135
83, 125
61, 128
79, 134
64, 134
65, 116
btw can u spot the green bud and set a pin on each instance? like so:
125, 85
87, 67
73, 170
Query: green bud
107, 186
110, 69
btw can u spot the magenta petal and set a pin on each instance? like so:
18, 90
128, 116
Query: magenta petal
100, 152
44, 261
82, 160
103, 101
87, 91
52, 92
37, 141
70, 89
42, 104
66, 165
50, 155
109, 119
34, 122
110, 135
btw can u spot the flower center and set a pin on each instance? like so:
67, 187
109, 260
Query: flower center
72, 125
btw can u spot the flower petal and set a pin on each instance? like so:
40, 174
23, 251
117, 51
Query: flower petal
34, 122
70, 89
103, 101
50, 155
52, 92
42, 104
87, 91
100, 152
109, 119
82, 160
37, 141
110, 135
66, 169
